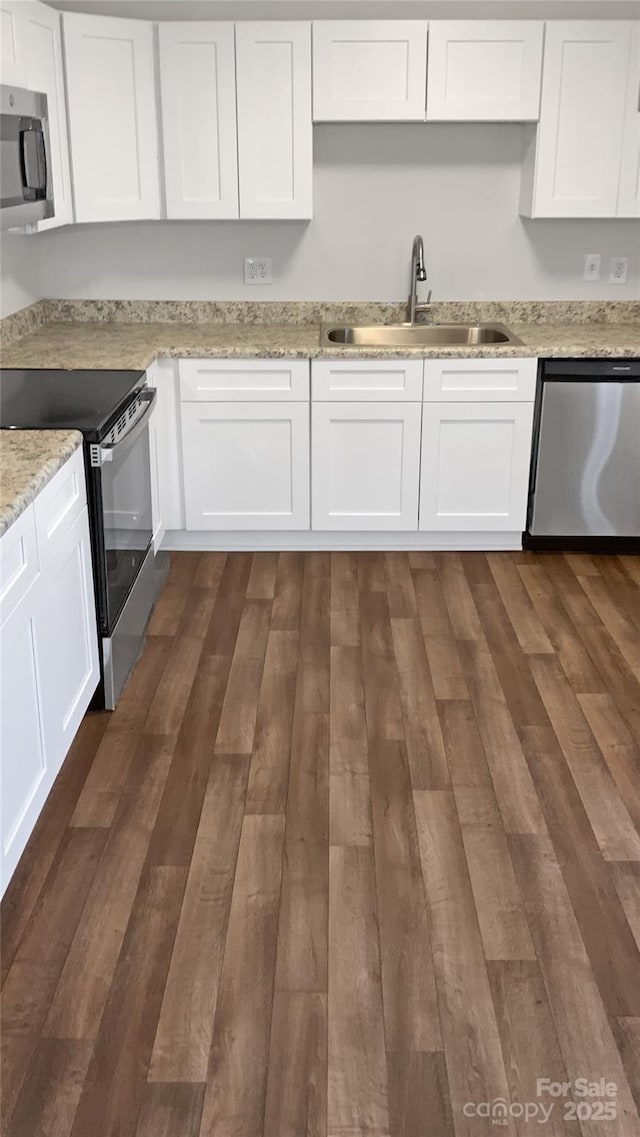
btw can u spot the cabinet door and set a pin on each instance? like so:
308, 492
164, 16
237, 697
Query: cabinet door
369, 70
68, 639
112, 117
475, 466
366, 465
573, 165
273, 75
26, 776
41, 45
12, 62
246, 465
484, 70
629, 191
198, 78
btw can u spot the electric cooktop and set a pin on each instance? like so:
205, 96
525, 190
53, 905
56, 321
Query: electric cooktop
43, 399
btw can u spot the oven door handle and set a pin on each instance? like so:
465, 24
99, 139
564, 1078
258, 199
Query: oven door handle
148, 396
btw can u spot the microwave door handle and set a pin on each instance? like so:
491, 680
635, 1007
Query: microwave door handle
147, 396
39, 185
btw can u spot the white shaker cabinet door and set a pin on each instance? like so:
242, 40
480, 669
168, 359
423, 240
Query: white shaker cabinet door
40, 38
68, 649
369, 70
475, 466
629, 191
572, 166
198, 80
26, 775
112, 117
484, 70
273, 76
365, 466
13, 67
246, 465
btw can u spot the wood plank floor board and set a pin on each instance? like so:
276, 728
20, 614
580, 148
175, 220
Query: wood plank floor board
583, 1030
419, 1094
357, 1070
627, 1034
617, 837
49, 1098
296, 1102
357, 849
237, 725
91, 961
411, 1016
613, 957
267, 792
529, 1042
501, 916
235, 1096
115, 1081
183, 1037
170, 1109
178, 816
287, 597
475, 1065
510, 774
422, 733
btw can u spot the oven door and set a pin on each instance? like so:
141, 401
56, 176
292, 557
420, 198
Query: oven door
125, 525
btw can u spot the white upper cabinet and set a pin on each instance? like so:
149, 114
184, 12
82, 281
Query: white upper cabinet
112, 117
369, 70
40, 44
275, 152
572, 166
12, 62
629, 189
484, 70
198, 81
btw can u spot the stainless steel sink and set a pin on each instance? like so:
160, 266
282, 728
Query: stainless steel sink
416, 335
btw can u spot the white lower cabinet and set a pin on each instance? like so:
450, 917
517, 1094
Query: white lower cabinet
365, 465
246, 465
475, 466
49, 652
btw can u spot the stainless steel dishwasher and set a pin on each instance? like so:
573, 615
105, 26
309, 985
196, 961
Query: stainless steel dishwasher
584, 491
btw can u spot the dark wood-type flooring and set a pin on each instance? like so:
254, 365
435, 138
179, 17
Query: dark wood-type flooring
359, 845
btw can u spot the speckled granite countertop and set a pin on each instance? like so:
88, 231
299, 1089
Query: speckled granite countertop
102, 344
28, 460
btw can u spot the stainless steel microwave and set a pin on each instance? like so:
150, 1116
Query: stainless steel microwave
25, 158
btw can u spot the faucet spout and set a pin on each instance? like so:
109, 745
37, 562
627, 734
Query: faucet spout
418, 272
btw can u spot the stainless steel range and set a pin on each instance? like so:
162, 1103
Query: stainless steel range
112, 410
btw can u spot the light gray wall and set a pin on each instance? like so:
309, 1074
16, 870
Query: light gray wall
19, 261
375, 186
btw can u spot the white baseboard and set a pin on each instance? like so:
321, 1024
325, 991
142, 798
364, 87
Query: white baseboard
181, 540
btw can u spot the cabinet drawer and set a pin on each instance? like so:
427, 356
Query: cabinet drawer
481, 380
60, 502
18, 561
381, 380
243, 380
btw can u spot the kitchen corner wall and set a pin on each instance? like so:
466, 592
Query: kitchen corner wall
375, 185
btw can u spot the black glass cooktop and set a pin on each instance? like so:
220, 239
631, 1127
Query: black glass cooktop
89, 401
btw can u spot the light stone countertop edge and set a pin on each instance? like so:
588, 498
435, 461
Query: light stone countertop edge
29, 459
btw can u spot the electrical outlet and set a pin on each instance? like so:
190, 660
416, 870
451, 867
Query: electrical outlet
591, 269
257, 270
618, 270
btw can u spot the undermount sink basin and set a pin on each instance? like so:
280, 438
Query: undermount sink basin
417, 335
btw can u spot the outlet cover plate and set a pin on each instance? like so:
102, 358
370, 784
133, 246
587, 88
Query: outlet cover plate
257, 270
618, 270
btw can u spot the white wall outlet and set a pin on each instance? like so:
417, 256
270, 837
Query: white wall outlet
618, 269
591, 268
257, 270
